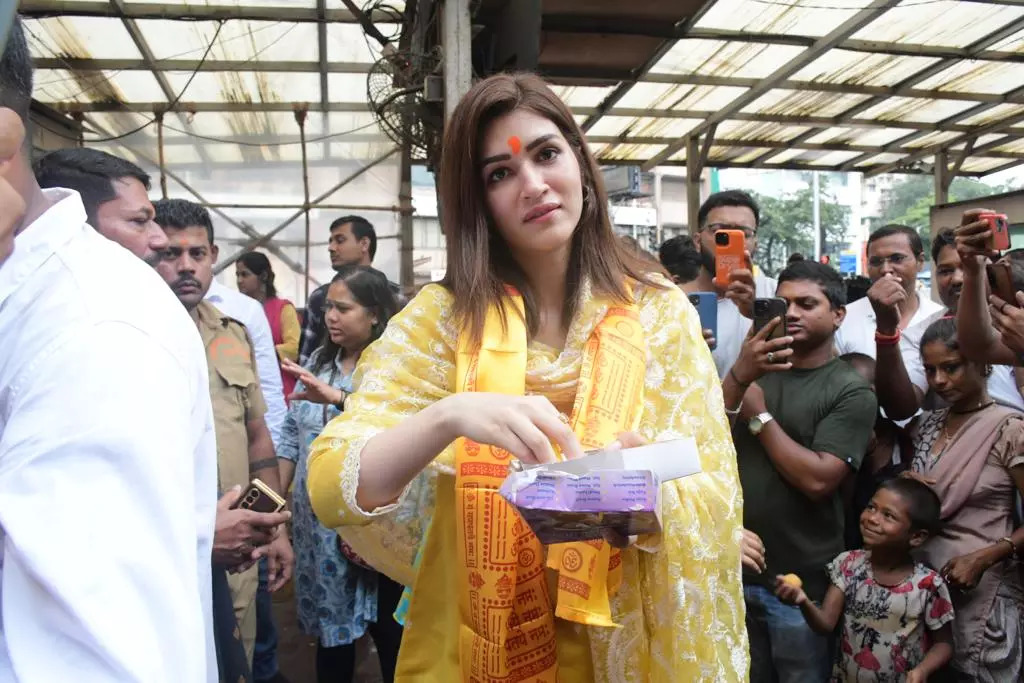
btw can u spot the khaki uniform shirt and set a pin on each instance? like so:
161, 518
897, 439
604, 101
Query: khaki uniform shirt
234, 391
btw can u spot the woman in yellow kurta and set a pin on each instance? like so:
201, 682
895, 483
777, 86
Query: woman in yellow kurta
542, 316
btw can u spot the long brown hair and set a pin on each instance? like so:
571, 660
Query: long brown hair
480, 263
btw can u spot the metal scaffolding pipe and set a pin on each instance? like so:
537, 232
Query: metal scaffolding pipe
458, 37
300, 118
265, 238
160, 153
407, 276
247, 229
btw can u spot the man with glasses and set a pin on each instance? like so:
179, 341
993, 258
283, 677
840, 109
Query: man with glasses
730, 210
895, 257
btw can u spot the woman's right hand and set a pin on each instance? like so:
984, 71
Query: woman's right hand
315, 390
524, 426
760, 355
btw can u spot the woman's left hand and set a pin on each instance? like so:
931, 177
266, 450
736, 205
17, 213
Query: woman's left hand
315, 390
965, 572
623, 440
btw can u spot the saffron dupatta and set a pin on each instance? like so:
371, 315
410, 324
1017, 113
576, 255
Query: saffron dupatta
507, 615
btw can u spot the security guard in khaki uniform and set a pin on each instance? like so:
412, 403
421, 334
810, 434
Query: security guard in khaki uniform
244, 448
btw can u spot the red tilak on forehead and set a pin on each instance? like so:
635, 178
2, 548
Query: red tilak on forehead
515, 144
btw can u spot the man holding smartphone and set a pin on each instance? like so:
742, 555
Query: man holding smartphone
999, 323
901, 383
729, 210
802, 421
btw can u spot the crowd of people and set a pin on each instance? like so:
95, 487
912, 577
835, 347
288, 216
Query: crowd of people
856, 517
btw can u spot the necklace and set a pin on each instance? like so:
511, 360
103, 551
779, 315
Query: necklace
946, 437
980, 406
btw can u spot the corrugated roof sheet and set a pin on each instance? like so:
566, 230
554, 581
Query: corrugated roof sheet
889, 93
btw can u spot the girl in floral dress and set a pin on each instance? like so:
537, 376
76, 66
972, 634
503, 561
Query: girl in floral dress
896, 612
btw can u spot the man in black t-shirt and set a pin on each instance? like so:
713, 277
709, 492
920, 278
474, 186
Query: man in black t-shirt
801, 428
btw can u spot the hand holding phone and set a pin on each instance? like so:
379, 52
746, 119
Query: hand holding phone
763, 351
999, 225
706, 304
768, 309
730, 255
259, 497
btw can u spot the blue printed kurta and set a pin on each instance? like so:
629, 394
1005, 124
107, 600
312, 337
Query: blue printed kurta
335, 598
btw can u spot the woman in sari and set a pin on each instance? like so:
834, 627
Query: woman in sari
546, 336
972, 455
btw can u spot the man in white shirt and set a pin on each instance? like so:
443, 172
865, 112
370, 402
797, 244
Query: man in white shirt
901, 383
729, 210
895, 257
107, 457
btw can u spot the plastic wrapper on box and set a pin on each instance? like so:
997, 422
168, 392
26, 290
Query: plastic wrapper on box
562, 507
620, 490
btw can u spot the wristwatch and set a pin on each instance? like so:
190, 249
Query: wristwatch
758, 422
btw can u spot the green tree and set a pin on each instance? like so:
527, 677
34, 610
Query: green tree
787, 226
910, 200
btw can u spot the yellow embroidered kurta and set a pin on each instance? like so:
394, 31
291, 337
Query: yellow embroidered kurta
680, 603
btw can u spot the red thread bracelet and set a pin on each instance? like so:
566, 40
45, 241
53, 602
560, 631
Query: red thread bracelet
887, 339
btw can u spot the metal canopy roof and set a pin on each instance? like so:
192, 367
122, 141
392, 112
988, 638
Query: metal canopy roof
849, 85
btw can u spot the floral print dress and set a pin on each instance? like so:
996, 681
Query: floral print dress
335, 598
884, 630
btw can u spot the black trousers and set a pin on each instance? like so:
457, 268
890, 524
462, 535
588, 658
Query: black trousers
337, 664
232, 663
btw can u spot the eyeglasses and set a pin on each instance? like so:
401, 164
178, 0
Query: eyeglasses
894, 259
748, 232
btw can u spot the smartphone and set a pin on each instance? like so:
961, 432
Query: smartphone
1000, 227
706, 304
1000, 281
730, 254
766, 310
260, 498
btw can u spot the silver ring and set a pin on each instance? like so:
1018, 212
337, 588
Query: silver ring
771, 356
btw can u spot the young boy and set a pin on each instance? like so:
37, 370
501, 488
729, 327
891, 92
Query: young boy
887, 600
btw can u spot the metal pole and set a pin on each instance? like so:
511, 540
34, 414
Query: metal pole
300, 118
458, 67
816, 216
659, 235
263, 239
160, 153
407, 276
245, 228
692, 185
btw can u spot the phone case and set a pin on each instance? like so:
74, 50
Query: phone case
260, 498
706, 304
730, 254
1000, 227
766, 310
